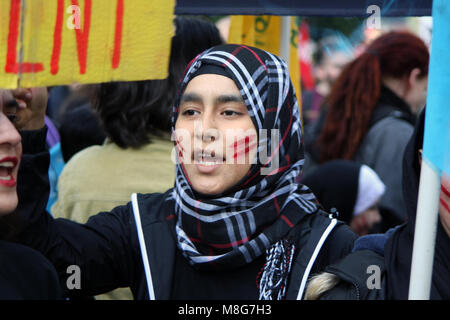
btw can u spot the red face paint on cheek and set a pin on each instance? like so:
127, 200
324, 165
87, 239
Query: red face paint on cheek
243, 146
445, 191
442, 201
180, 150
445, 205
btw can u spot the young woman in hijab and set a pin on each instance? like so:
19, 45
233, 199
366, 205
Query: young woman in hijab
391, 252
24, 272
228, 229
352, 189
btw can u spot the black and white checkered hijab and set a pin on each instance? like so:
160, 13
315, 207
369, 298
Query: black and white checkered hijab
256, 216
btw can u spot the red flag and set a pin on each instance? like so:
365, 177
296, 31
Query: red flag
305, 56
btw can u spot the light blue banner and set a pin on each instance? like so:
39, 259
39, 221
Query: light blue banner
437, 117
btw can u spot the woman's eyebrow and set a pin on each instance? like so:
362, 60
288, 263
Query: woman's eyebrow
190, 97
229, 98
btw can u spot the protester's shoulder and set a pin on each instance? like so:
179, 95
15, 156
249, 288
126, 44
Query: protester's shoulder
392, 128
335, 238
154, 205
29, 269
338, 229
387, 136
361, 276
86, 155
87, 163
148, 204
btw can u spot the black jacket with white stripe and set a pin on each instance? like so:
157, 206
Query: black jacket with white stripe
134, 245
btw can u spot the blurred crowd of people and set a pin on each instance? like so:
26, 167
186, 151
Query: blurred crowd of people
359, 161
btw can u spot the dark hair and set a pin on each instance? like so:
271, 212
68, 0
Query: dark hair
131, 111
355, 93
79, 129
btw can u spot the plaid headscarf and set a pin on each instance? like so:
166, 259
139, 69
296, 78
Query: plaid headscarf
255, 216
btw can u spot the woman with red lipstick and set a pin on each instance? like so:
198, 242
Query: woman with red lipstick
24, 272
234, 226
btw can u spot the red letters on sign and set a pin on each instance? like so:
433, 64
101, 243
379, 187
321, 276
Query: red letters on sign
118, 35
81, 35
12, 66
54, 63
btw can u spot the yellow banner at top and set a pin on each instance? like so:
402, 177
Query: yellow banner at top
54, 42
264, 32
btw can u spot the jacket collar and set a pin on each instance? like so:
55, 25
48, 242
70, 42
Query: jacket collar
389, 103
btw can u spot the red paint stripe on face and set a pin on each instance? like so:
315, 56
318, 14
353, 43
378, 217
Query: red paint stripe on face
178, 144
245, 151
288, 129
444, 204
445, 191
245, 140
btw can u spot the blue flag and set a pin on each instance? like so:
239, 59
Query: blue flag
436, 150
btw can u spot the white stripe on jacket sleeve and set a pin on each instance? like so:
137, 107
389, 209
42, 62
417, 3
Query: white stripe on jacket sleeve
148, 274
314, 257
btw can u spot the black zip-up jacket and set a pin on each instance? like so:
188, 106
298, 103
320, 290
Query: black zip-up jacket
135, 244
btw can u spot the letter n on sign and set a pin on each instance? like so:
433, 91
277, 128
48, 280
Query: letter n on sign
115, 40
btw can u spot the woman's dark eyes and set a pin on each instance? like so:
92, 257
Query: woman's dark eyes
189, 112
228, 113
231, 113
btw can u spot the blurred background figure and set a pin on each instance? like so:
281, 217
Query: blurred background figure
371, 113
392, 251
331, 57
333, 53
79, 128
77, 125
136, 155
351, 189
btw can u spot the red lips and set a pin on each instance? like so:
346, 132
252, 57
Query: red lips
7, 165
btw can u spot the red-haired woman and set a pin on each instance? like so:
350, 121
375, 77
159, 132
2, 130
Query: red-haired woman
371, 112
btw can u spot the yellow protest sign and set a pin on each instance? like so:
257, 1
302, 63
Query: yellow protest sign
54, 42
264, 32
